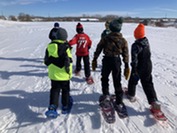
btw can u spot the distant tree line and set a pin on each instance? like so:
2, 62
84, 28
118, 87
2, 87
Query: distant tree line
147, 21
28, 18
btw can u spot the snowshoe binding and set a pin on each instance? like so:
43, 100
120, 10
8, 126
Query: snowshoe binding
89, 80
156, 112
119, 108
51, 112
67, 109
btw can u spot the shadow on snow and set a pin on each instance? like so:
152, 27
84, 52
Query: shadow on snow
33, 70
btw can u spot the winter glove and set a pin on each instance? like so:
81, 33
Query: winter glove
67, 69
135, 77
135, 74
70, 47
94, 64
67, 64
126, 71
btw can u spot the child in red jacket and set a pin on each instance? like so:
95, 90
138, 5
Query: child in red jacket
82, 51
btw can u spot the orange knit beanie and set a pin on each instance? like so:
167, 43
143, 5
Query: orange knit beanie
139, 31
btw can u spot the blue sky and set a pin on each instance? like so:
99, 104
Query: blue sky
54, 8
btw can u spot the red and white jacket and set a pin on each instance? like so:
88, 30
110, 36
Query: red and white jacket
83, 44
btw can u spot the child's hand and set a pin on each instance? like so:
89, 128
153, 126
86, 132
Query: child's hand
94, 64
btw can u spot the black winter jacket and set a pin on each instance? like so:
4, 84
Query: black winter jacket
141, 56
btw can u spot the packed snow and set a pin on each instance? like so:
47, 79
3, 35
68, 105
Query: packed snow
24, 85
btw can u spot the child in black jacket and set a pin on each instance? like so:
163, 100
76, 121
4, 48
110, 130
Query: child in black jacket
142, 69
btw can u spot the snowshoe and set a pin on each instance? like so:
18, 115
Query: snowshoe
107, 109
89, 80
156, 112
51, 112
77, 73
121, 110
67, 109
131, 98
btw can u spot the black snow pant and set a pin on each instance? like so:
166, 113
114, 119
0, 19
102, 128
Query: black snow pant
86, 64
57, 87
112, 64
147, 84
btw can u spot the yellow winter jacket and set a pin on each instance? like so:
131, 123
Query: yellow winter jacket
58, 58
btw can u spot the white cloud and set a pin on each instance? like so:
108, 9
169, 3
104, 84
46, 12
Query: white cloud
104, 13
24, 2
169, 10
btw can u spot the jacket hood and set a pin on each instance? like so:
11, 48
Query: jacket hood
143, 41
115, 36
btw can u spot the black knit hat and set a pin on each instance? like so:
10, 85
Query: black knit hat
116, 25
56, 25
62, 34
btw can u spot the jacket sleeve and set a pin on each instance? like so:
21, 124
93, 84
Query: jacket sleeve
73, 40
125, 52
47, 60
134, 56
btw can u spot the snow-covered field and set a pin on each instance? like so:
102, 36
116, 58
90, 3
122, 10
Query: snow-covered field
24, 85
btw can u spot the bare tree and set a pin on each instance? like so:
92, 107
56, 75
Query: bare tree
13, 18
24, 17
